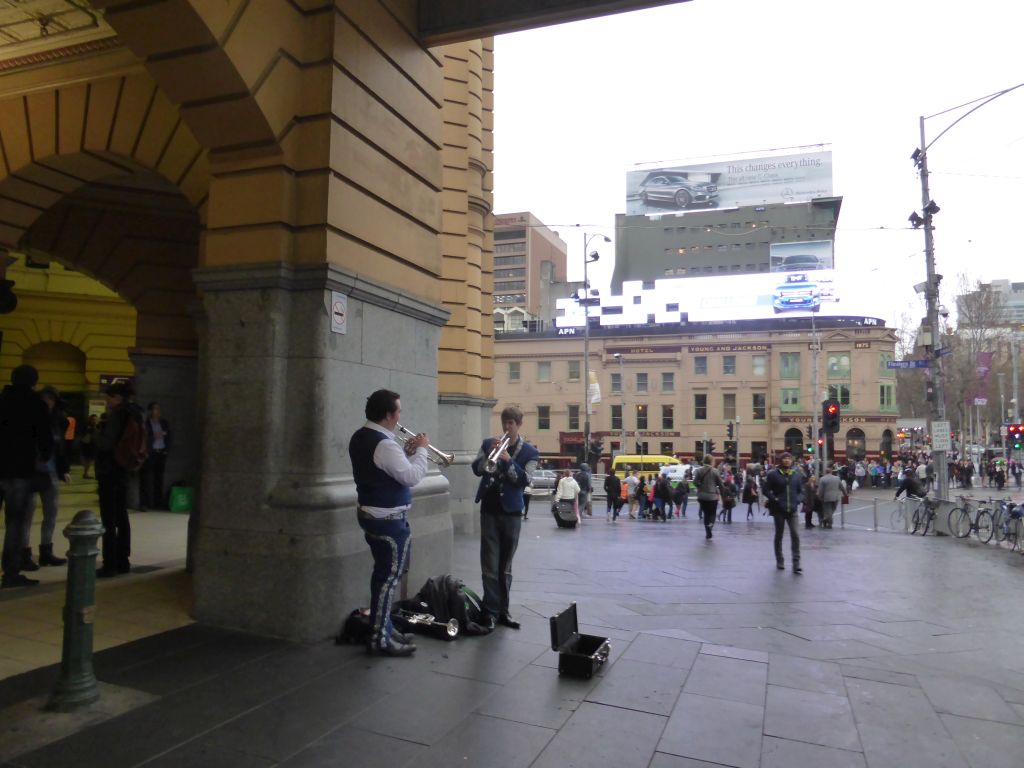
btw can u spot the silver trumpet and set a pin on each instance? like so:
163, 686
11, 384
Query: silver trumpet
499, 448
448, 630
440, 458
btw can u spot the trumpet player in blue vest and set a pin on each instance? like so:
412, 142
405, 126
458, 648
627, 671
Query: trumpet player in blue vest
505, 467
385, 473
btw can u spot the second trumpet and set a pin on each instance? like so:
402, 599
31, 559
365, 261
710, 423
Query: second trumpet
499, 448
439, 457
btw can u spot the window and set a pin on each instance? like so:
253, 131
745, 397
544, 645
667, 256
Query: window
668, 417
668, 382
883, 365
700, 365
759, 406
574, 418
504, 261
700, 407
641, 382
789, 365
642, 448
574, 370
838, 365
665, 449
886, 400
840, 392
513, 371
617, 417
509, 273
790, 400
759, 365
641, 417
758, 450
729, 406
729, 365
515, 285
698, 449
543, 417
616, 383
544, 372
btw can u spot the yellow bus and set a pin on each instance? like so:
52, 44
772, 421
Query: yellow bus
644, 464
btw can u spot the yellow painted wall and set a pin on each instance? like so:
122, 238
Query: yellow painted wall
63, 317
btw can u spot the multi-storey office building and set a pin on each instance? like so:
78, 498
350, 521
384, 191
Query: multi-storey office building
729, 241
529, 271
669, 387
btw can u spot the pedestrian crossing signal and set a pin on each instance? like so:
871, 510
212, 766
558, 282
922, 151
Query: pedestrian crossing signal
1016, 434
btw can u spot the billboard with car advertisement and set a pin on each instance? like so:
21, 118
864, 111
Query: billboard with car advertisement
801, 256
713, 299
694, 187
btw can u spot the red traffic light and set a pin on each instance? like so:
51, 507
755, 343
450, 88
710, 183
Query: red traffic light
821, 441
832, 409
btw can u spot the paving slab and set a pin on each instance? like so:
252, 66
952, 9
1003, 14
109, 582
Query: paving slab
786, 753
728, 678
715, 730
598, 736
811, 716
806, 674
639, 686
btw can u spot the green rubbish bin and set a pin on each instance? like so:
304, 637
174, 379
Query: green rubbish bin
182, 497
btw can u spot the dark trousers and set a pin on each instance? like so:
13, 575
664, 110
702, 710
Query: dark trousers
117, 529
499, 538
707, 511
389, 542
793, 520
17, 502
151, 480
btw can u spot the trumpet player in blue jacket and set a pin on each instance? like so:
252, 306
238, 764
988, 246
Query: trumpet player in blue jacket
505, 467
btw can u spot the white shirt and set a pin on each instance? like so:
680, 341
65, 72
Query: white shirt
567, 489
391, 458
922, 471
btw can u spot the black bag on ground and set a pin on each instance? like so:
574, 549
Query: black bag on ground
445, 598
356, 628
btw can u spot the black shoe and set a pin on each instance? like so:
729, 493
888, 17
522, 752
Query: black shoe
46, 556
810, 525
394, 649
124, 567
17, 580
26, 560
105, 573
508, 621
780, 565
401, 637
708, 532
797, 569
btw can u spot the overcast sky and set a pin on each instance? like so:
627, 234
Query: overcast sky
577, 105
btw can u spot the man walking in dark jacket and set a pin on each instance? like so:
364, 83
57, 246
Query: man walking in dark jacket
613, 493
784, 489
25, 441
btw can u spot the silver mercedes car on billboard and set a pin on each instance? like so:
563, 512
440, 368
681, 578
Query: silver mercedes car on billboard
677, 189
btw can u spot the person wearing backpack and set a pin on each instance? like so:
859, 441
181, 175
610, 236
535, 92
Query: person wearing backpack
120, 449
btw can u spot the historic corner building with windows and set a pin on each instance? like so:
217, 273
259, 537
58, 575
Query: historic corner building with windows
667, 388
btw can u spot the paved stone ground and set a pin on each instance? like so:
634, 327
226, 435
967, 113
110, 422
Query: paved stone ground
890, 650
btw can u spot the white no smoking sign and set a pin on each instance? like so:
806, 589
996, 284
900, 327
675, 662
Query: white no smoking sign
339, 312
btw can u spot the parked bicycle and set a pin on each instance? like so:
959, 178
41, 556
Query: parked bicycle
924, 514
1008, 524
961, 523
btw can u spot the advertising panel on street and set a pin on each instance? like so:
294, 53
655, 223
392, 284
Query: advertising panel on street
693, 187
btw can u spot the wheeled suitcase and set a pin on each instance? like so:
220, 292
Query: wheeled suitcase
578, 655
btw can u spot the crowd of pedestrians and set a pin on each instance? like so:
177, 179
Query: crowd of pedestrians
37, 440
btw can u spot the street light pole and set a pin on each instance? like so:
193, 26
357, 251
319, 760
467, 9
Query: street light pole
932, 297
1002, 415
585, 301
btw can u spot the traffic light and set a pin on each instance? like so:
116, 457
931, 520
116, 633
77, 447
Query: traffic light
728, 430
821, 442
711, 446
810, 434
596, 449
1016, 435
810, 449
830, 413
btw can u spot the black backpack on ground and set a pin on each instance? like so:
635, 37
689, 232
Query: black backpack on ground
446, 597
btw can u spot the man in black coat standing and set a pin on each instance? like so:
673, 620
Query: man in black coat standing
784, 489
25, 441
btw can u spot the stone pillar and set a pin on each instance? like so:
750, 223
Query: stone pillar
278, 550
463, 419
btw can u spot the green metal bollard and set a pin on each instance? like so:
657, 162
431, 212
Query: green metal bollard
76, 686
